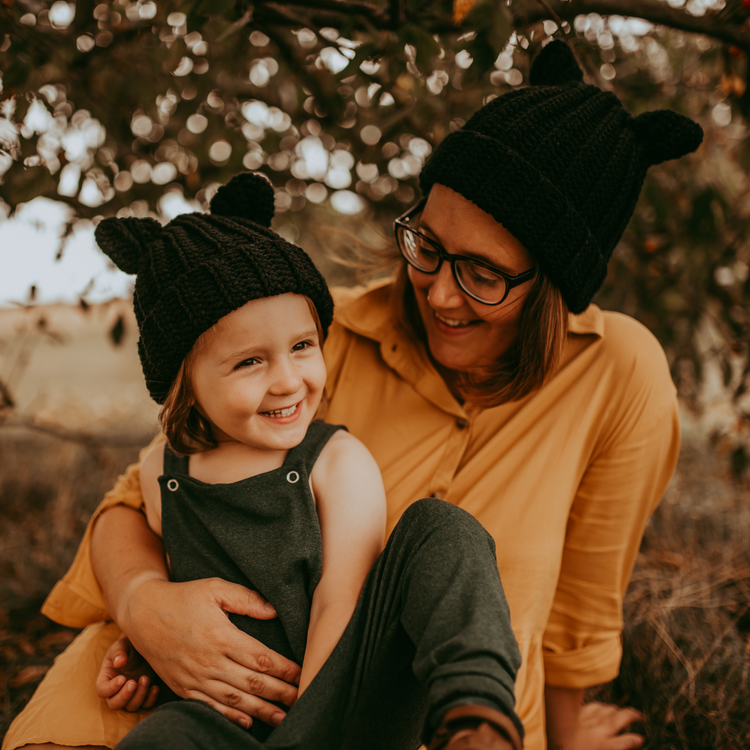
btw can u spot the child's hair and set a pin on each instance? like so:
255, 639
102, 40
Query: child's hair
187, 430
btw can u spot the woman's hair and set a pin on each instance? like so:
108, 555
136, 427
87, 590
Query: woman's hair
542, 331
186, 429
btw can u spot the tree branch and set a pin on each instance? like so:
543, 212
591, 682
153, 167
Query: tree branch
346, 7
711, 24
527, 12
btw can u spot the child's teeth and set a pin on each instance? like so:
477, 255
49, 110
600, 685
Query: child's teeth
282, 412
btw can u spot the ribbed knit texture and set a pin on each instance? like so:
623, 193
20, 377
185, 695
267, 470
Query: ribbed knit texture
560, 165
200, 267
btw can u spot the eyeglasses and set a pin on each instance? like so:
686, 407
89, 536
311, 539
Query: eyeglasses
481, 281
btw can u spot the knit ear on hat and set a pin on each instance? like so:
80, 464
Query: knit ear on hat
246, 196
125, 240
665, 135
555, 65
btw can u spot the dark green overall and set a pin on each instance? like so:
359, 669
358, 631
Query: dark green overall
431, 629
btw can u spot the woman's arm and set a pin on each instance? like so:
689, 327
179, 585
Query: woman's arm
631, 464
351, 508
182, 629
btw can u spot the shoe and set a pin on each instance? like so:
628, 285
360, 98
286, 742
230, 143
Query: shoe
476, 728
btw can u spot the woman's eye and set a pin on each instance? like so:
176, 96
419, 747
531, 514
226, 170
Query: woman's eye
483, 276
301, 346
426, 252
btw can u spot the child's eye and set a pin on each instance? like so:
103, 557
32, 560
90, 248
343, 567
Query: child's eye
246, 363
301, 346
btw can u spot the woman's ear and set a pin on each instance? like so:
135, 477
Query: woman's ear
126, 241
665, 135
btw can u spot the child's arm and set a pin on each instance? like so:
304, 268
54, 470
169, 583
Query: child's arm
126, 680
350, 500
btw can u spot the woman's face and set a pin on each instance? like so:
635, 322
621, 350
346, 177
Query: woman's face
463, 334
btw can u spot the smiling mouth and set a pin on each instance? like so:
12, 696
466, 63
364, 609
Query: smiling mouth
280, 413
454, 323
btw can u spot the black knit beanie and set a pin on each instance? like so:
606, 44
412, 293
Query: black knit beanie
200, 267
560, 165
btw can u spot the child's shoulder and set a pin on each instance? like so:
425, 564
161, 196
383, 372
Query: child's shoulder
151, 468
152, 464
341, 446
344, 455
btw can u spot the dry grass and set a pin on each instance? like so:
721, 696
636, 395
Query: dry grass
48, 489
686, 658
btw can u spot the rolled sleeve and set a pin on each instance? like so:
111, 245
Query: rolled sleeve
76, 600
619, 491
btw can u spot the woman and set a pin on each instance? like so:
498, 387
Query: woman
481, 375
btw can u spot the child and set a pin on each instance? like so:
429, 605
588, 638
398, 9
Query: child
251, 489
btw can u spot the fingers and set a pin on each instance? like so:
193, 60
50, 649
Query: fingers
229, 706
133, 696
106, 688
625, 742
151, 698
282, 673
119, 652
614, 717
601, 725
235, 598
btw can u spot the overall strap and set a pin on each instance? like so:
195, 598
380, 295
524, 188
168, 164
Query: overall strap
174, 463
307, 452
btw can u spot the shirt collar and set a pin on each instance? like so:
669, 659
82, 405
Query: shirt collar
368, 311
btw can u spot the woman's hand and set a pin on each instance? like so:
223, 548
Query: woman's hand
182, 629
200, 654
126, 680
573, 725
600, 727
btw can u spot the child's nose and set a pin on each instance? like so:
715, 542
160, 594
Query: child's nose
286, 378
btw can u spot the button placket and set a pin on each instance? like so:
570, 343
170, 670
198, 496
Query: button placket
455, 447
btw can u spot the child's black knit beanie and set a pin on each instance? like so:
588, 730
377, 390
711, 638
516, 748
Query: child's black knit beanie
560, 165
200, 267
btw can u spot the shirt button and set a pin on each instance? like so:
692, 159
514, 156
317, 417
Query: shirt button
462, 424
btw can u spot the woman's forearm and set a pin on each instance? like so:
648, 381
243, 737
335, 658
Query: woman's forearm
563, 706
124, 554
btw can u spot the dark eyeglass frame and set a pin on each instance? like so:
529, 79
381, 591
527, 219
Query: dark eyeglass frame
510, 281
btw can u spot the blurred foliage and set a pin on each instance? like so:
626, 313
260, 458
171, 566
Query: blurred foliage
138, 108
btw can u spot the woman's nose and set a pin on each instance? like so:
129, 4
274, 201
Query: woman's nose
444, 292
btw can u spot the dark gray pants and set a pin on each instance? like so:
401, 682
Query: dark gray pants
431, 631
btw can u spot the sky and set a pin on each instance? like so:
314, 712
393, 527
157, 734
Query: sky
30, 243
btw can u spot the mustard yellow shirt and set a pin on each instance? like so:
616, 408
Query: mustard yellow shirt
564, 479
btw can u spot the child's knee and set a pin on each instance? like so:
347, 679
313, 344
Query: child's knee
441, 520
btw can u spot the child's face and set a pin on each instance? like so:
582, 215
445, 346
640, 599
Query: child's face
258, 374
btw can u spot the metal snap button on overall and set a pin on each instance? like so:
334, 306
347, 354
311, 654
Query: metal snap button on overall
172, 485
292, 477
